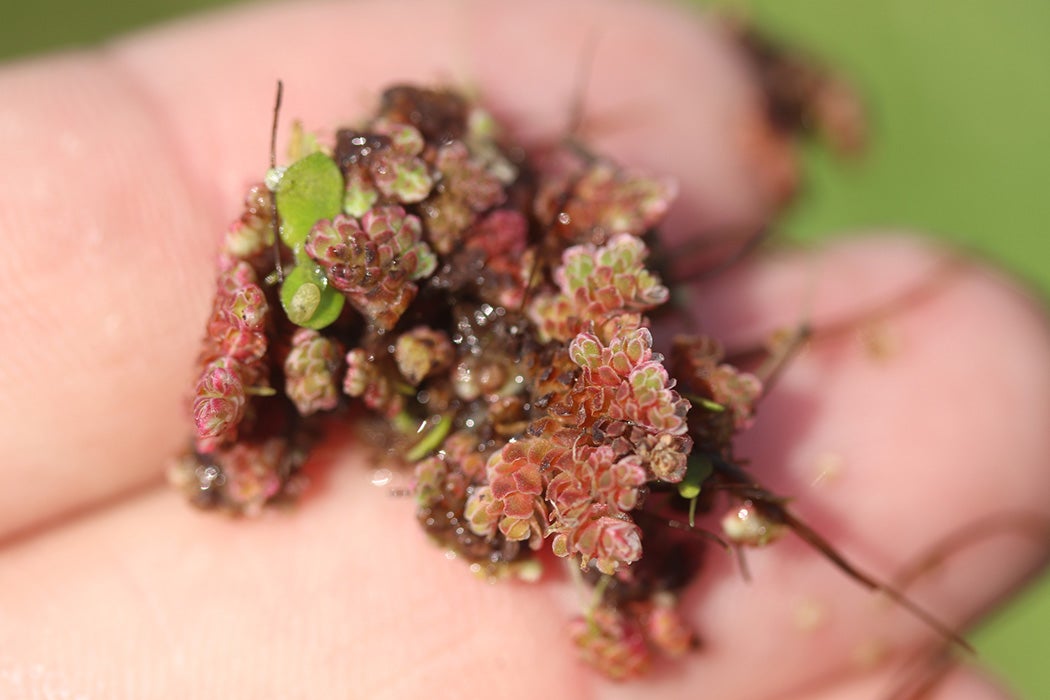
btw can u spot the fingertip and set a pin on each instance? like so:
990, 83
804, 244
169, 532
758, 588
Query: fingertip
661, 88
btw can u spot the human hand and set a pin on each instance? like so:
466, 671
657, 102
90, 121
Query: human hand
124, 165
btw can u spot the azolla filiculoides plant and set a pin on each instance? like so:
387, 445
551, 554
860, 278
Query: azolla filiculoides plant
488, 310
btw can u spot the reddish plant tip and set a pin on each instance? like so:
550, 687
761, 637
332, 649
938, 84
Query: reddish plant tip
310, 372
489, 311
219, 405
374, 261
608, 639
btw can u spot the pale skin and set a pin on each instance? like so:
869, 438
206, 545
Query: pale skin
122, 168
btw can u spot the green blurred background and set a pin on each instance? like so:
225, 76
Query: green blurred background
960, 94
960, 97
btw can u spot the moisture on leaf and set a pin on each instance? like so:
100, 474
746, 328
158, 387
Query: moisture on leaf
309, 300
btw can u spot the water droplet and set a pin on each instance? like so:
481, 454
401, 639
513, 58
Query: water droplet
304, 303
273, 178
381, 477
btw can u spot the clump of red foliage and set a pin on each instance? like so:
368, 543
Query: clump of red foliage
489, 308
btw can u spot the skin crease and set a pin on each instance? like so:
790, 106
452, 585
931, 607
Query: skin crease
124, 164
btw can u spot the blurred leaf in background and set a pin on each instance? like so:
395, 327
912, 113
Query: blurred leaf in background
959, 94
960, 97
32, 27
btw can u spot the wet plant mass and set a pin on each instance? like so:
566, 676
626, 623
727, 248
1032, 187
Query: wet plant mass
486, 311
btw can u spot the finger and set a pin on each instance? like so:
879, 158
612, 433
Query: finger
886, 439
124, 166
343, 597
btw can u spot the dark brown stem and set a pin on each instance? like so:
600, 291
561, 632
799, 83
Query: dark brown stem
775, 511
924, 676
741, 562
815, 540
273, 164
